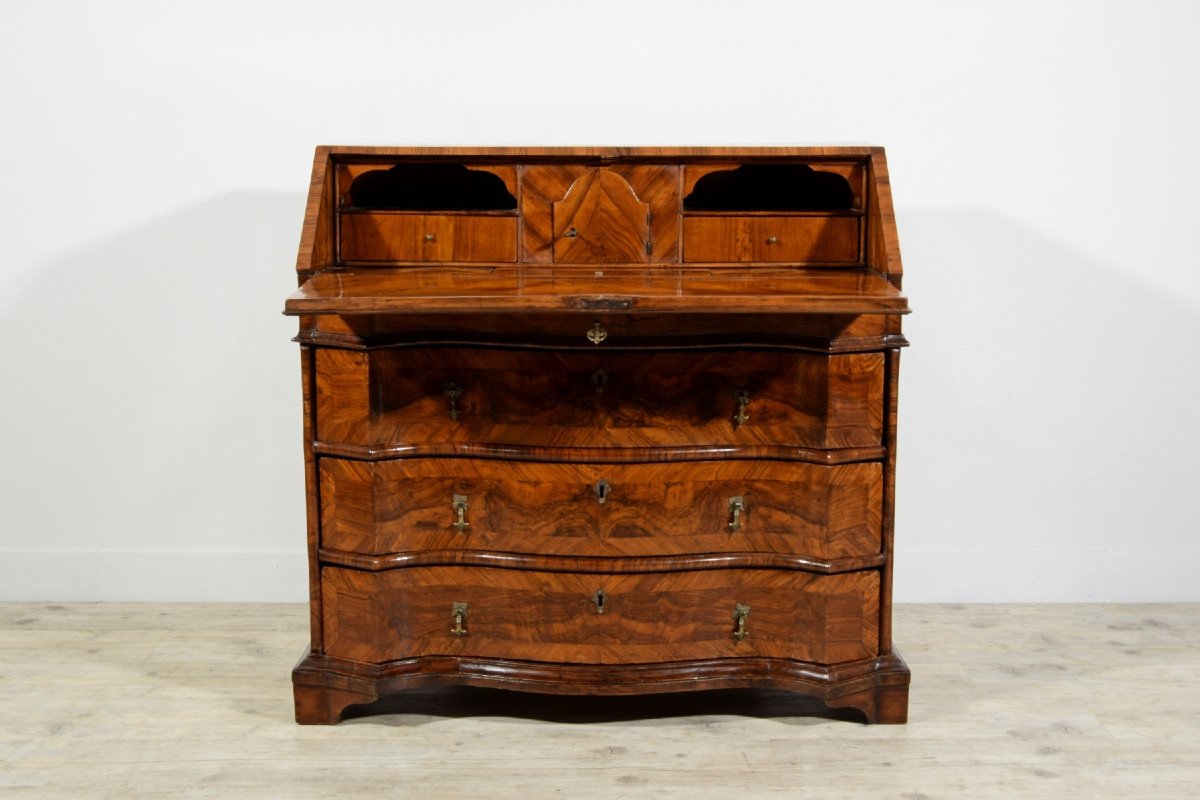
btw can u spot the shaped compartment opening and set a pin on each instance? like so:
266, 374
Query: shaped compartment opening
430, 187
771, 187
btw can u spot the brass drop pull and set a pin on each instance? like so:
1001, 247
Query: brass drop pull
429, 237
458, 613
740, 418
452, 393
459, 506
597, 334
737, 505
571, 233
598, 598
740, 613
602, 490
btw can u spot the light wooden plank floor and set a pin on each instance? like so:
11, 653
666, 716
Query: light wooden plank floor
178, 700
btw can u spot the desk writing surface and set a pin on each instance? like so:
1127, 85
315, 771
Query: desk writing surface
649, 289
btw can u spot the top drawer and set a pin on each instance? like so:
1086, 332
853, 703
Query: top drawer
388, 236
811, 240
443, 397
411, 211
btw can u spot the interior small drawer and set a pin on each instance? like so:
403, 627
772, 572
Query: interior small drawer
391, 236
601, 510
599, 618
825, 239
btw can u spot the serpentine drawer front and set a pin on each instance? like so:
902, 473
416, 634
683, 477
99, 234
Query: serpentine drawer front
600, 421
571, 398
600, 618
769, 507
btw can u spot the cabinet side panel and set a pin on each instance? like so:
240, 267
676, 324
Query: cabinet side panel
342, 387
313, 500
889, 502
316, 235
883, 246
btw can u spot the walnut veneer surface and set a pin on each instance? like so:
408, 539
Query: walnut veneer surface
600, 421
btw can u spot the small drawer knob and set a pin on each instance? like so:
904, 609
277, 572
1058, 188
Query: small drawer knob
772, 239
429, 237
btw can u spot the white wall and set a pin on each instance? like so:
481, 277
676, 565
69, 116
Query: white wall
1043, 158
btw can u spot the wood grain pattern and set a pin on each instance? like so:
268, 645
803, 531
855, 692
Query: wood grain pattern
551, 617
823, 333
316, 235
598, 399
883, 253
542, 186
808, 239
600, 220
731, 443
651, 509
393, 236
461, 288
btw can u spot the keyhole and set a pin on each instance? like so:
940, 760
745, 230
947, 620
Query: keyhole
598, 598
600, 380
603, 490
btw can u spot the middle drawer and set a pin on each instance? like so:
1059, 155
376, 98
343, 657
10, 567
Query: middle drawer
680, 508
551, 398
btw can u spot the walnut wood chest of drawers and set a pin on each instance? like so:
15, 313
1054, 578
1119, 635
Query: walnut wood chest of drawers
600, 421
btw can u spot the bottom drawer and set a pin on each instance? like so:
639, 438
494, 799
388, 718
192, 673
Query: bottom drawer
599, 618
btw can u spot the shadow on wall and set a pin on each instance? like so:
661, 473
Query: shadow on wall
152, 393
1048, 405
1048, 427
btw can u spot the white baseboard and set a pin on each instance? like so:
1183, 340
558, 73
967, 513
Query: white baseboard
1059, 576
937, 576
154, 575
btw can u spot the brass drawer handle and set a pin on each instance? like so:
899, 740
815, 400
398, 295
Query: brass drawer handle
598, 598
740, 417
458, 613
459, 505
737, 505
740, 613
453, 392
597, 334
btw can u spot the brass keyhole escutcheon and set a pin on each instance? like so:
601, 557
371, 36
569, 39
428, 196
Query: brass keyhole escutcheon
740, 417
598, 598
602, 490
452, 392
737, 507
740, 613
458, 504
597, 334
600, 380
458, 613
